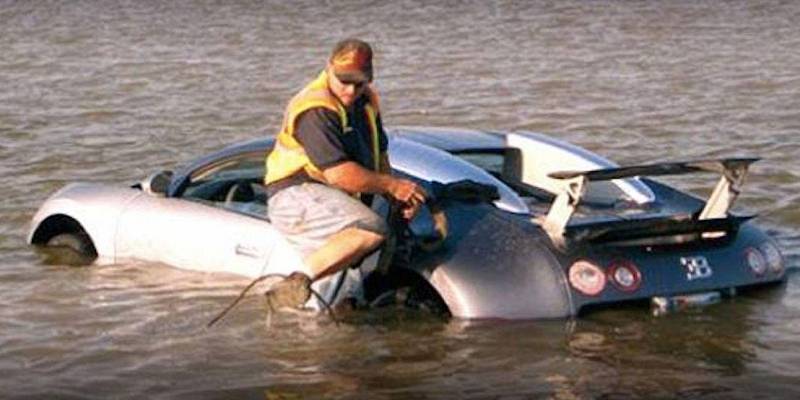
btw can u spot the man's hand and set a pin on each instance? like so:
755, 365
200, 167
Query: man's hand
410, 194
407, 192
410, 211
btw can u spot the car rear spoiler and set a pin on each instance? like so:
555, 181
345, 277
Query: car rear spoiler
573, 187
674, 229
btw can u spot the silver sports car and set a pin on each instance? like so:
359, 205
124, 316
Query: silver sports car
535, 227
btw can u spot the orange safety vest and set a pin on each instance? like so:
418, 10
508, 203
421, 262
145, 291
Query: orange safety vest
288, 156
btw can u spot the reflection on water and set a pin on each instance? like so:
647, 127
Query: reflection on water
112, 91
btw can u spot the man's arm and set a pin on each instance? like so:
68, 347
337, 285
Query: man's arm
353, 178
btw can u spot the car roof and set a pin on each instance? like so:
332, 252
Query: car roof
433, 142
450, 139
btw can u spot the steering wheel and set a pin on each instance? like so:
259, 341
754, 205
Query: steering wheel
240, 192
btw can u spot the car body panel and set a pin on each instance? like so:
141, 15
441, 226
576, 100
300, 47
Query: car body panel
211, 239
665, 270
497, 265
496, 262
96, 207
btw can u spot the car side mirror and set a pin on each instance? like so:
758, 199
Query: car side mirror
157, 183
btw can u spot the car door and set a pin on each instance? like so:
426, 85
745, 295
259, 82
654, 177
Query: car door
217, 224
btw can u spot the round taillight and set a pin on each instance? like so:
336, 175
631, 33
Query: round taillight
756, 261
773, 257
625, 275
587, 278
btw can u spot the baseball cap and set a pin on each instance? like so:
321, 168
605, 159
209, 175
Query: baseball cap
351, 61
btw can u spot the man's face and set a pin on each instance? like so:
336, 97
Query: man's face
346, 92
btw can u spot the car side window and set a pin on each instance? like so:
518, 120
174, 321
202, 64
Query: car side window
234, 183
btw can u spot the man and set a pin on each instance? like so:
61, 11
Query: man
332, 148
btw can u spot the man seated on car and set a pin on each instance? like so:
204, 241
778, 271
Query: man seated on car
332, 148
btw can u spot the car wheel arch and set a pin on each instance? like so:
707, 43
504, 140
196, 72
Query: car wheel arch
417, 287
58, 224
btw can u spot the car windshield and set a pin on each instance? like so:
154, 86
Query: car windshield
233, 183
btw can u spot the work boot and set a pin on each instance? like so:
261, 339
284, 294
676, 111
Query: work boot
293, 291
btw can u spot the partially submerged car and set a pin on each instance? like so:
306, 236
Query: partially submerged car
561, 231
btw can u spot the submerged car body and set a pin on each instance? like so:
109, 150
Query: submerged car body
548, 243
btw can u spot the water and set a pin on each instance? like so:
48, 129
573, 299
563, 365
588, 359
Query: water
111, 91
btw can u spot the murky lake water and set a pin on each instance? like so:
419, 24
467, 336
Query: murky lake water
110, 91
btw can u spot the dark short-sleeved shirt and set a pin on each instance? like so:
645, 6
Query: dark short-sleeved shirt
319, 130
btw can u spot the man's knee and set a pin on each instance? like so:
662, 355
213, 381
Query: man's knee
367, 239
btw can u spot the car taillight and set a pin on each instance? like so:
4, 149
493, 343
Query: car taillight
587, 278
756, 261
625, 275
773, 257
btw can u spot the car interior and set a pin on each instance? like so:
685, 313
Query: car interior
235, 184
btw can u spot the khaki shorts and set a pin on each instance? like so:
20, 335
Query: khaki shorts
308, 214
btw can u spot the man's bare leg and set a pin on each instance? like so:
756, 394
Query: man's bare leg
342, 249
